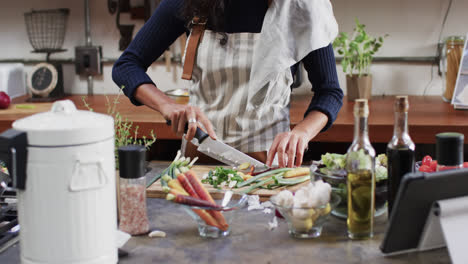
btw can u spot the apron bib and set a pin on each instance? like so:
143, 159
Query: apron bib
220, 88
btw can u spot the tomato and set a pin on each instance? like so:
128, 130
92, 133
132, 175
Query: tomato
433, 165
425, 168
465, 164
427, 160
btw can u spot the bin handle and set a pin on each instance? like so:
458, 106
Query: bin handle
103, 178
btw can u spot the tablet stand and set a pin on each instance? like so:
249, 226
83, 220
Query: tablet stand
447, 225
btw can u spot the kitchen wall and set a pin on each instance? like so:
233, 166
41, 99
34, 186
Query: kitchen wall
413, 26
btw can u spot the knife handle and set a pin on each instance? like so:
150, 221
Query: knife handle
199, 134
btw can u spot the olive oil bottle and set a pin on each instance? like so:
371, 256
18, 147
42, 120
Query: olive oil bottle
360, 166
400, 150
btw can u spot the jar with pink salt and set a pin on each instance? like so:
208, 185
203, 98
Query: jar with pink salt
133, 217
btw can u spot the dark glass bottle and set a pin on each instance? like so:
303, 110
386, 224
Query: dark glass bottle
400, 150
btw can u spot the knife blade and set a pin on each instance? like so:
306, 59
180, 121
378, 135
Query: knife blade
221, 151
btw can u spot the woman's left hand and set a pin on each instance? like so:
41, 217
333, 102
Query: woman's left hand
290, 148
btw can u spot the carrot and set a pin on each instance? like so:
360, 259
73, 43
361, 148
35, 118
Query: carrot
205, 195
189, 200
177, 192
209, 220
175, 185
187, 186
208, 217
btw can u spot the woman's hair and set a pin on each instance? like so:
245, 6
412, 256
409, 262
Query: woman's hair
211, 10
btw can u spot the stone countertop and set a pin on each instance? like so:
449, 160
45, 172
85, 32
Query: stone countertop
251, 241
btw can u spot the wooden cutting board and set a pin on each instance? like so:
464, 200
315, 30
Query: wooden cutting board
155, 190
26, 109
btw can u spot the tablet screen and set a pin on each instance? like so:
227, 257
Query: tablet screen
415, 197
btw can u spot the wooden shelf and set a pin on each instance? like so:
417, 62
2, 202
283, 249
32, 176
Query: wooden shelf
428, 116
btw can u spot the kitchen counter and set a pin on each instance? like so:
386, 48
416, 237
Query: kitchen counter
428, 116
251, 242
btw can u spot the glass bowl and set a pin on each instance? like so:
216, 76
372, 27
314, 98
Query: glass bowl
307, 222
230, 204
338, 184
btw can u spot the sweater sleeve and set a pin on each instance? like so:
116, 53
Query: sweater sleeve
328, 96
156, 35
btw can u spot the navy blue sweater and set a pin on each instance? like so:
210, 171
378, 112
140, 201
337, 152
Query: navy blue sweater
166, 25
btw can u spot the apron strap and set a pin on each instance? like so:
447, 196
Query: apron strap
198, 27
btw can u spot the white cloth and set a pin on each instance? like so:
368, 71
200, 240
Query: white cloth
291, 30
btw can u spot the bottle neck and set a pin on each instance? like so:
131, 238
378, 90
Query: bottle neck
361, 134
400, 129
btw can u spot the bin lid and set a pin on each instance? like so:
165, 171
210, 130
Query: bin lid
64, 125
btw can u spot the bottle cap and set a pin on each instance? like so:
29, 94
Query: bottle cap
132, 161
401, 103
449, 148
361, 108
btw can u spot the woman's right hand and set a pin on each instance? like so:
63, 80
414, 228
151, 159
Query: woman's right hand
180, 115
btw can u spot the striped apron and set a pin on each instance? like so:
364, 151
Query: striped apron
220, 88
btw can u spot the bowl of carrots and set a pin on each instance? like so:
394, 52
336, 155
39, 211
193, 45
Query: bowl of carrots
212, 213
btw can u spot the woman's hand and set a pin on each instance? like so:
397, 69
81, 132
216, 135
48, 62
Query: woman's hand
180, 115
290, 146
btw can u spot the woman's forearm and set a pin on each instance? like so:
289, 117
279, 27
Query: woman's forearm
151, 96
312, 124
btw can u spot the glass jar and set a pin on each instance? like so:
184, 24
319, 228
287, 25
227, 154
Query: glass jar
451, 57
133, 218
449, 150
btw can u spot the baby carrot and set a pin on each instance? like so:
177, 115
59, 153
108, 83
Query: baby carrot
205, 195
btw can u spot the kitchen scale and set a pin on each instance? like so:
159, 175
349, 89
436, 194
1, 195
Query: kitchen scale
46, 33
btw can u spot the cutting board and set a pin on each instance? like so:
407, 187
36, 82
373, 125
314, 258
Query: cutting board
27, 108
156, 191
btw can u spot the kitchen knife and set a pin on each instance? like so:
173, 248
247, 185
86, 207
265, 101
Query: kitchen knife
221, 151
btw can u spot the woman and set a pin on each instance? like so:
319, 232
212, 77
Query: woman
241, 77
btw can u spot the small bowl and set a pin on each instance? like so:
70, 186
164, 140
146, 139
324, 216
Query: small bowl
230, 202
338, 184
307, 222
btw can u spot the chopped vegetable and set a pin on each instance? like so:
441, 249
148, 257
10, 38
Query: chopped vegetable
301, 171
220, 175
244, 166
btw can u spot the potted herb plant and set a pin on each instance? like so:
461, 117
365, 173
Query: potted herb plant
357, 53
125, 133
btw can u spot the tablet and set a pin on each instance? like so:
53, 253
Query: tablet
417, 192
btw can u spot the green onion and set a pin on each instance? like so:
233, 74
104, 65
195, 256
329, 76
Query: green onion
255, 186
262, 175
157, 177
293, 181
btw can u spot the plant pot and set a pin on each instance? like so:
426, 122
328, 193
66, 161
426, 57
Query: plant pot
358, 87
